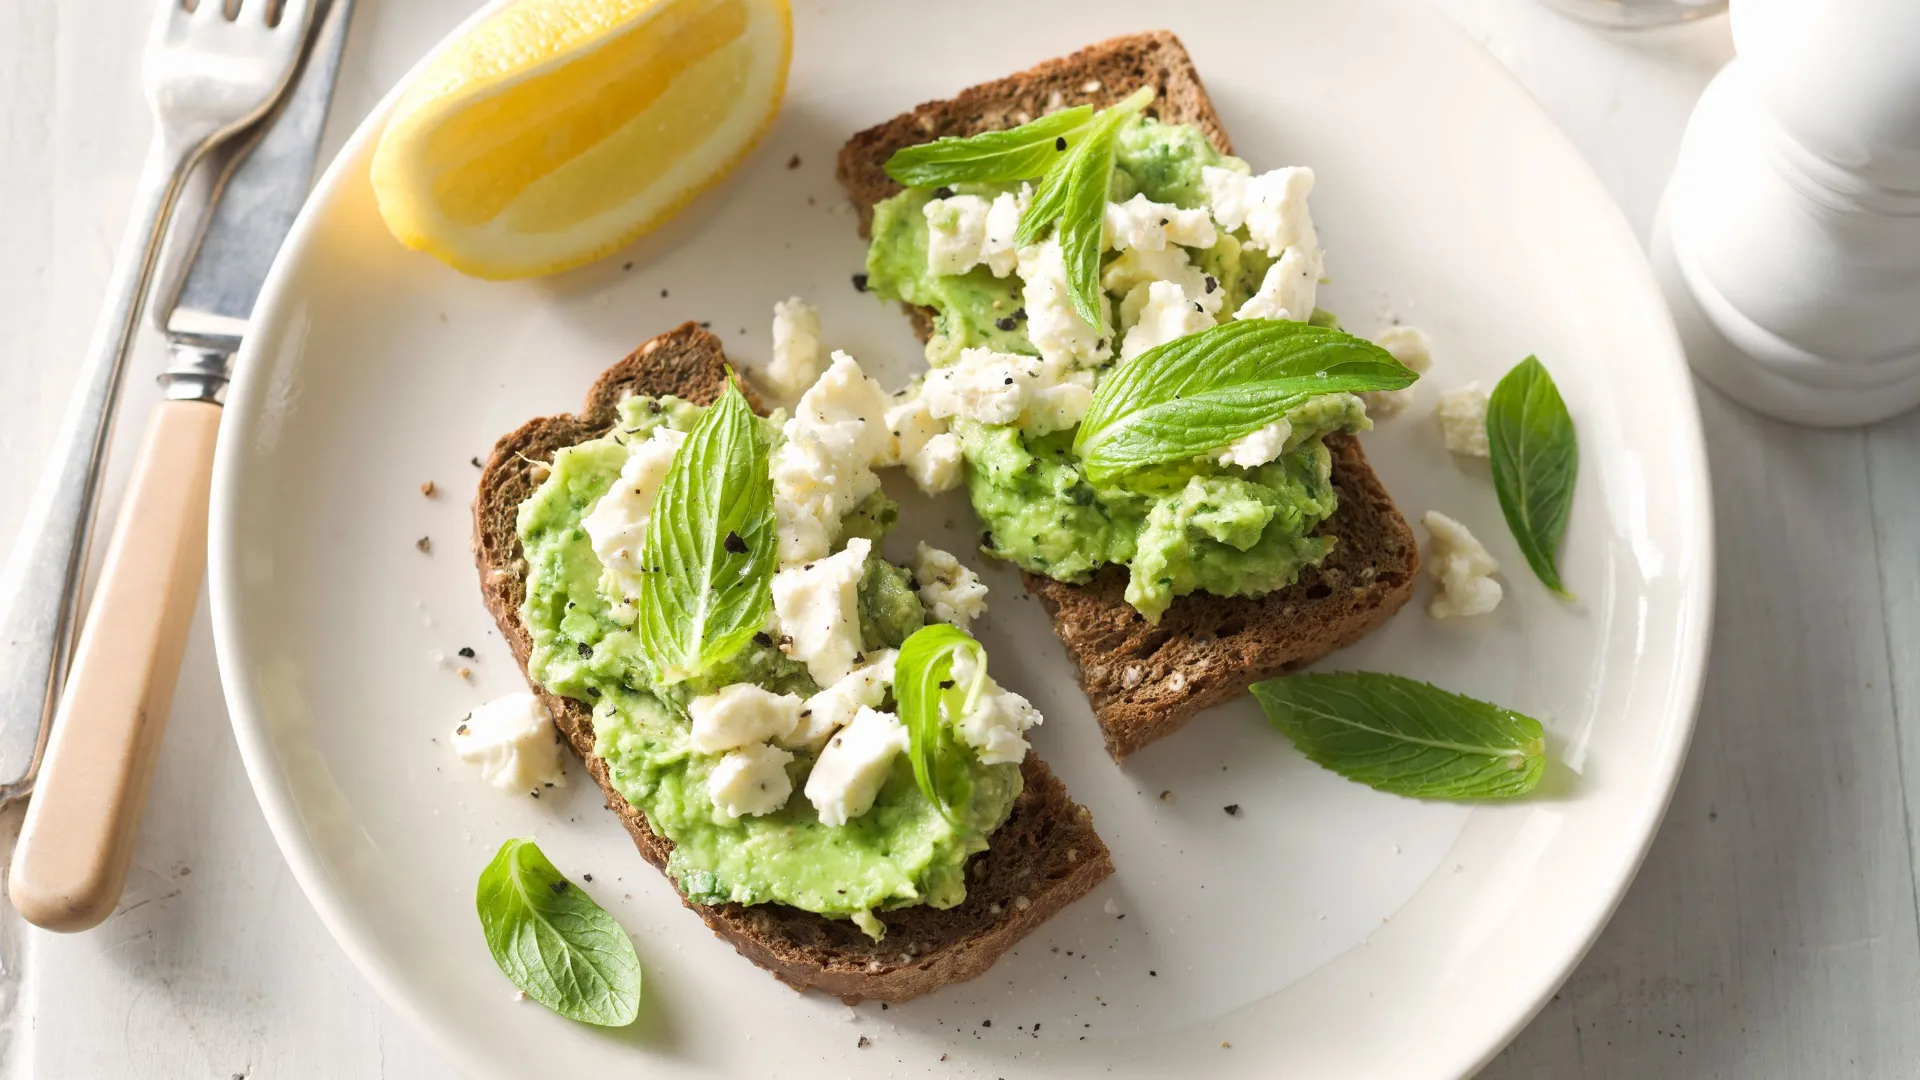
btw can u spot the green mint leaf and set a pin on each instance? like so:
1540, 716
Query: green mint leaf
710, 545
1535, 458
1200, 392
1073, 194
1406, 737
928, 700
1020, 153
554, 942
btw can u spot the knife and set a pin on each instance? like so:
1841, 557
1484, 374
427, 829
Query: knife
70, 864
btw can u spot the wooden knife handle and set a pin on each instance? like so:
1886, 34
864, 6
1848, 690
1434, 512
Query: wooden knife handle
75, 845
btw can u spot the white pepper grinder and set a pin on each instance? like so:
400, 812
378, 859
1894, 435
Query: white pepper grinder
1789, 239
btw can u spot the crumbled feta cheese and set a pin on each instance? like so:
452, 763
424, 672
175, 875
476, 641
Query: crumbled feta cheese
1130, 273
1256, 448
796, 349
910, 423
1462, 566
834, 708
956, 227
1287, 291
818, 605
1008, 388
1144, 225
1055, 328
1273, 206
941, 464
825, 465
1463, 420
1413, 349
1168, 313
997, 724
847, 776
739, 715
751, 781
514, 743
997, 248
617, 524
952, 592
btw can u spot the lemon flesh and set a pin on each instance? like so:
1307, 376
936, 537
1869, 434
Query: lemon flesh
557, 131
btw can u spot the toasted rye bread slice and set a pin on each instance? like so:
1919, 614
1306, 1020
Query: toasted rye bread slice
1146, 681
1045, 856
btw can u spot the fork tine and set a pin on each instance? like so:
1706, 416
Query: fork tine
295, 15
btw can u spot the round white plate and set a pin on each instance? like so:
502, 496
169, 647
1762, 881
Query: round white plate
1324, 929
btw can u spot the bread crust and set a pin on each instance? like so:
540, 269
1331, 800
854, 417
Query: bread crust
1147, 681
1044, 857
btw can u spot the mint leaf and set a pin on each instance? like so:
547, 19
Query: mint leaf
1020, 153
1535, 458
1202, 391
928, 699
554, 942
709, 552
1073, 194
1406, 737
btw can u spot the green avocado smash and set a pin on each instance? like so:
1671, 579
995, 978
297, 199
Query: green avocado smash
900, 853
1202, 527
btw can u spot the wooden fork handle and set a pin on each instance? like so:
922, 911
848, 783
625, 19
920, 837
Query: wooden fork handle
75, 845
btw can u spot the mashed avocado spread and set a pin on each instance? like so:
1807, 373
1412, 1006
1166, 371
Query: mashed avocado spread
1205, 526
899, 853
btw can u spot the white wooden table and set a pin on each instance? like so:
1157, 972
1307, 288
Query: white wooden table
1772, 932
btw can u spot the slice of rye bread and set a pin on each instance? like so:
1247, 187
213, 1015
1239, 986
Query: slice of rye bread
1146, 681
1045, 856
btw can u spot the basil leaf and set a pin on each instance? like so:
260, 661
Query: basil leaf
1202, 391
1406, 737
1020, 153
1074, 194
927, 700
1535, 458
554, 942
710, 545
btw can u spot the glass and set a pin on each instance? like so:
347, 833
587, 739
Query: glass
1637, 13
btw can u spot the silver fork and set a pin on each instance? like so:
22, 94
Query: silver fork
212, 68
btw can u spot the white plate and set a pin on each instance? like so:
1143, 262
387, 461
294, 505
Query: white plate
1325, 930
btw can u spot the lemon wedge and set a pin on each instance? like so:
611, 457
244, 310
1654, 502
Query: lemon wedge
557, 131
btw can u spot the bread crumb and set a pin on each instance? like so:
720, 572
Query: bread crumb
1167, 797
864, 1042
1226, 1046
793, 162
1232, 809
425, 544
428, 489
465, 673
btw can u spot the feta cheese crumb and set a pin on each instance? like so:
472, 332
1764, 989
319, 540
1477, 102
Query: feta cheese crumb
1413, 349
997, 248
1055, 328
825, 465
818, 606
1168, 313
952, 592
1462, 566
847, 776
1144, 225
1134, 270
997, 724
1463, 420
751, 781
956, 228
739, 715
1256, 448
514, 743
834, 708
1273, 206
617, 524
941, 464
1287, 292
796, 349
1008, 388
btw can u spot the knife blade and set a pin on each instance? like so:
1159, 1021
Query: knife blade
257, 203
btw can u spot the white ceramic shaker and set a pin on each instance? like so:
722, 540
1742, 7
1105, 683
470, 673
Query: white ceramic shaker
1789, 240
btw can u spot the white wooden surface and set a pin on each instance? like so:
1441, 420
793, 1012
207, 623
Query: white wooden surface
1772, 933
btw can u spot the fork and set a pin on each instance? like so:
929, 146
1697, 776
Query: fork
212, 68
